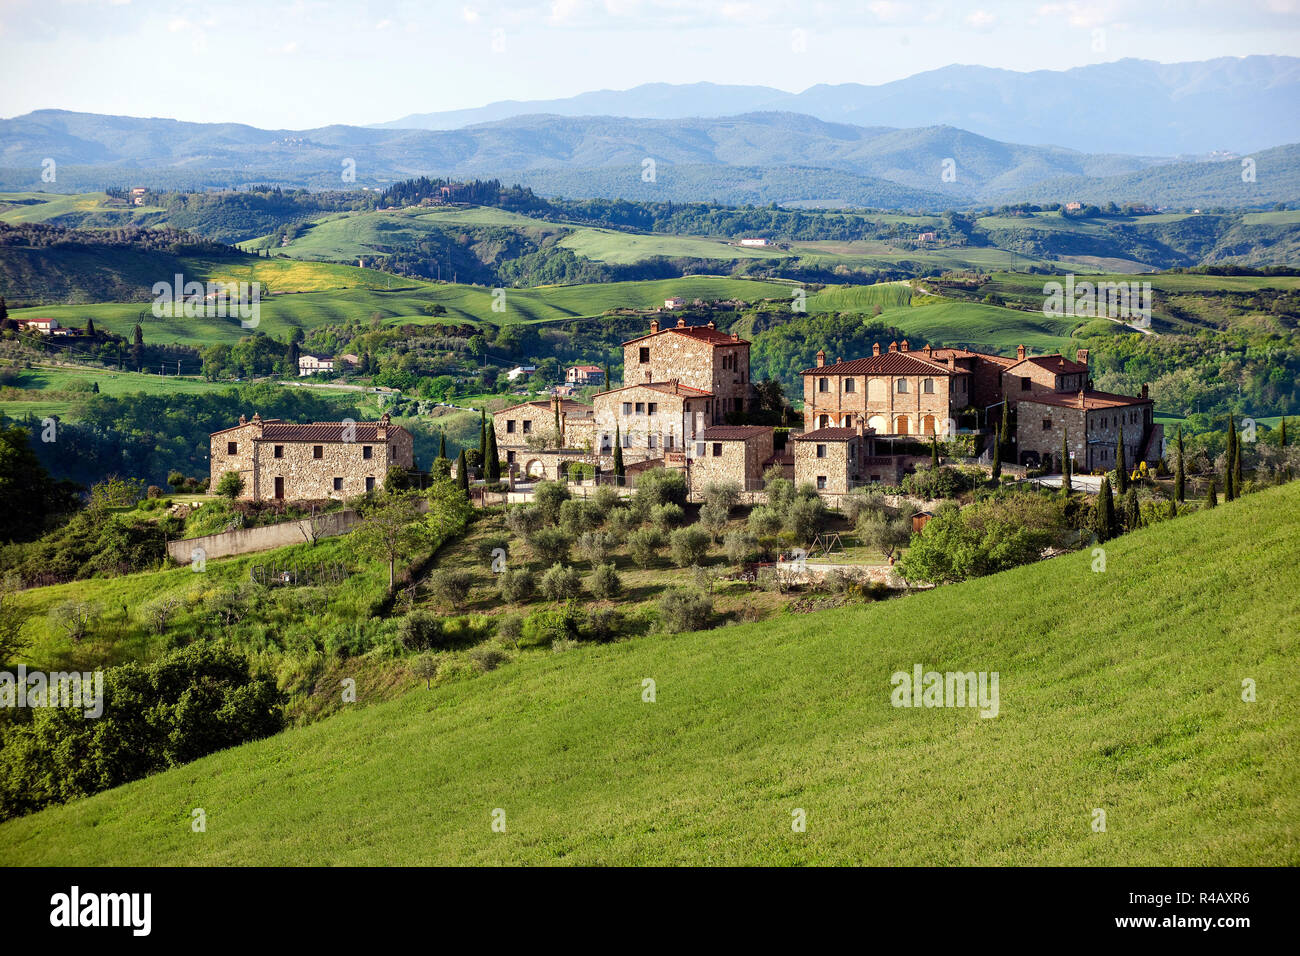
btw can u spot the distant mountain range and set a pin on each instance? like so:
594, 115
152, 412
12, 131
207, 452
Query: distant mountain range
756, 158
1127, 106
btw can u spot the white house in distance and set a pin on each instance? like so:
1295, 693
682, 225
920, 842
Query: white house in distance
520, 371
753, 242
676, 302
43, 326
585, 375
314, 364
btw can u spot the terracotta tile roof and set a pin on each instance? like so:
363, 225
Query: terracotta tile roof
668, 388
733, 432
1053, 363
828, 434
887, 363
1006, 361
566, 405
320, 431
701, 332
1086, 400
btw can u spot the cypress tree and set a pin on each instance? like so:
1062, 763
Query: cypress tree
4, 314
90, 328
1236, 468
934, 451
1121, 466
1281, 434
493, 465
1180, 476
619, 472
996, 474
137, 348
1229, 492
1211, 497
462, 472
1105, 512
482, 437
1004, 433
1066, 485
1133, 511
559, 437
608, 386
1172, 511
442, 444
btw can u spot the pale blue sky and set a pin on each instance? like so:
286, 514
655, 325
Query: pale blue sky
304, 63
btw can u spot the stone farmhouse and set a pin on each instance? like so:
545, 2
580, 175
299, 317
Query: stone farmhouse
584, 375
530, 445
732, 454
899, 392
698, 356
285, 461
1091, 423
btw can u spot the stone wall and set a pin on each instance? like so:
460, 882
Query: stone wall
246, 540
834, 474
672, 424
731, 461
1093, 434
885, 408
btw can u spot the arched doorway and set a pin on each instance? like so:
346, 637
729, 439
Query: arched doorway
901, 426
927, 425
536, 469
878, 423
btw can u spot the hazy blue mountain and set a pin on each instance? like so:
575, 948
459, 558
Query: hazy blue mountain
1126, 106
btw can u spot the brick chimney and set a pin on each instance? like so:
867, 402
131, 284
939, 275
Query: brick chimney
1020, 353
654, 326
875, 348
893, 346
928, 350
381, 432
735, 336
1146, 389
711, 325
243, 420
903, 345
821, 358
1081, 356
839, 360
681, 323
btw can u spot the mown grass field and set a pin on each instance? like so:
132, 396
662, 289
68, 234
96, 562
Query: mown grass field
609, 245
15, 207
1119, 691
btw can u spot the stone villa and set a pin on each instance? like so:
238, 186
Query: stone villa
284, 461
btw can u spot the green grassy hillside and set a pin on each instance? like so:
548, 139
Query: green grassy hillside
1118, 690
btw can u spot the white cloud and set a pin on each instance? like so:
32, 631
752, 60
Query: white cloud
980, 19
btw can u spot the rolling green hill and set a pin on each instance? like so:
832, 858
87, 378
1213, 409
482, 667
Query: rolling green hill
1119, 691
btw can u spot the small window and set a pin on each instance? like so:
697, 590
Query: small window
232, 448
510, 458
850, 385
640, 408
821, 451
1047, 424
823, 385
928, 386
366, 451
645, 356
279, 451
717, 449
627, 408
338, 484
653, 408
902, 385
1024, 384
650, 441
821, 482
510, 426
668, 442
528, 426
370, 483
318, 451
699, 449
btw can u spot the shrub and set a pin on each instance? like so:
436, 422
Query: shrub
452, 587
548, 496
740, 546
176, 480
516, 585
688, 545
548, 625
764, 522
425, 668
884, 534
158, 613
523, 521
683, 609
551, 545
577, 516
859, 501
621, 522
420, 630
665, 517
658, 486
595, 547
75, 618
488, 658
604, 582
605, 499
713, 518
722, 494
604, 624
804, 517
644, 546
230, 485
561, 583
153, 491
941, 482
510, 629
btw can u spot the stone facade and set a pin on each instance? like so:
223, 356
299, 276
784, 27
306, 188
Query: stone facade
697, 356
1044, 375
1094, 421
301, 462
730, 454
650, 419
831, 459
895, 393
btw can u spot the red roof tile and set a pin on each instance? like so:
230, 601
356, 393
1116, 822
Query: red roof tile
669, 388
828, 434
1086, 400
733, 432
1054, 363
701, 332
887, 363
